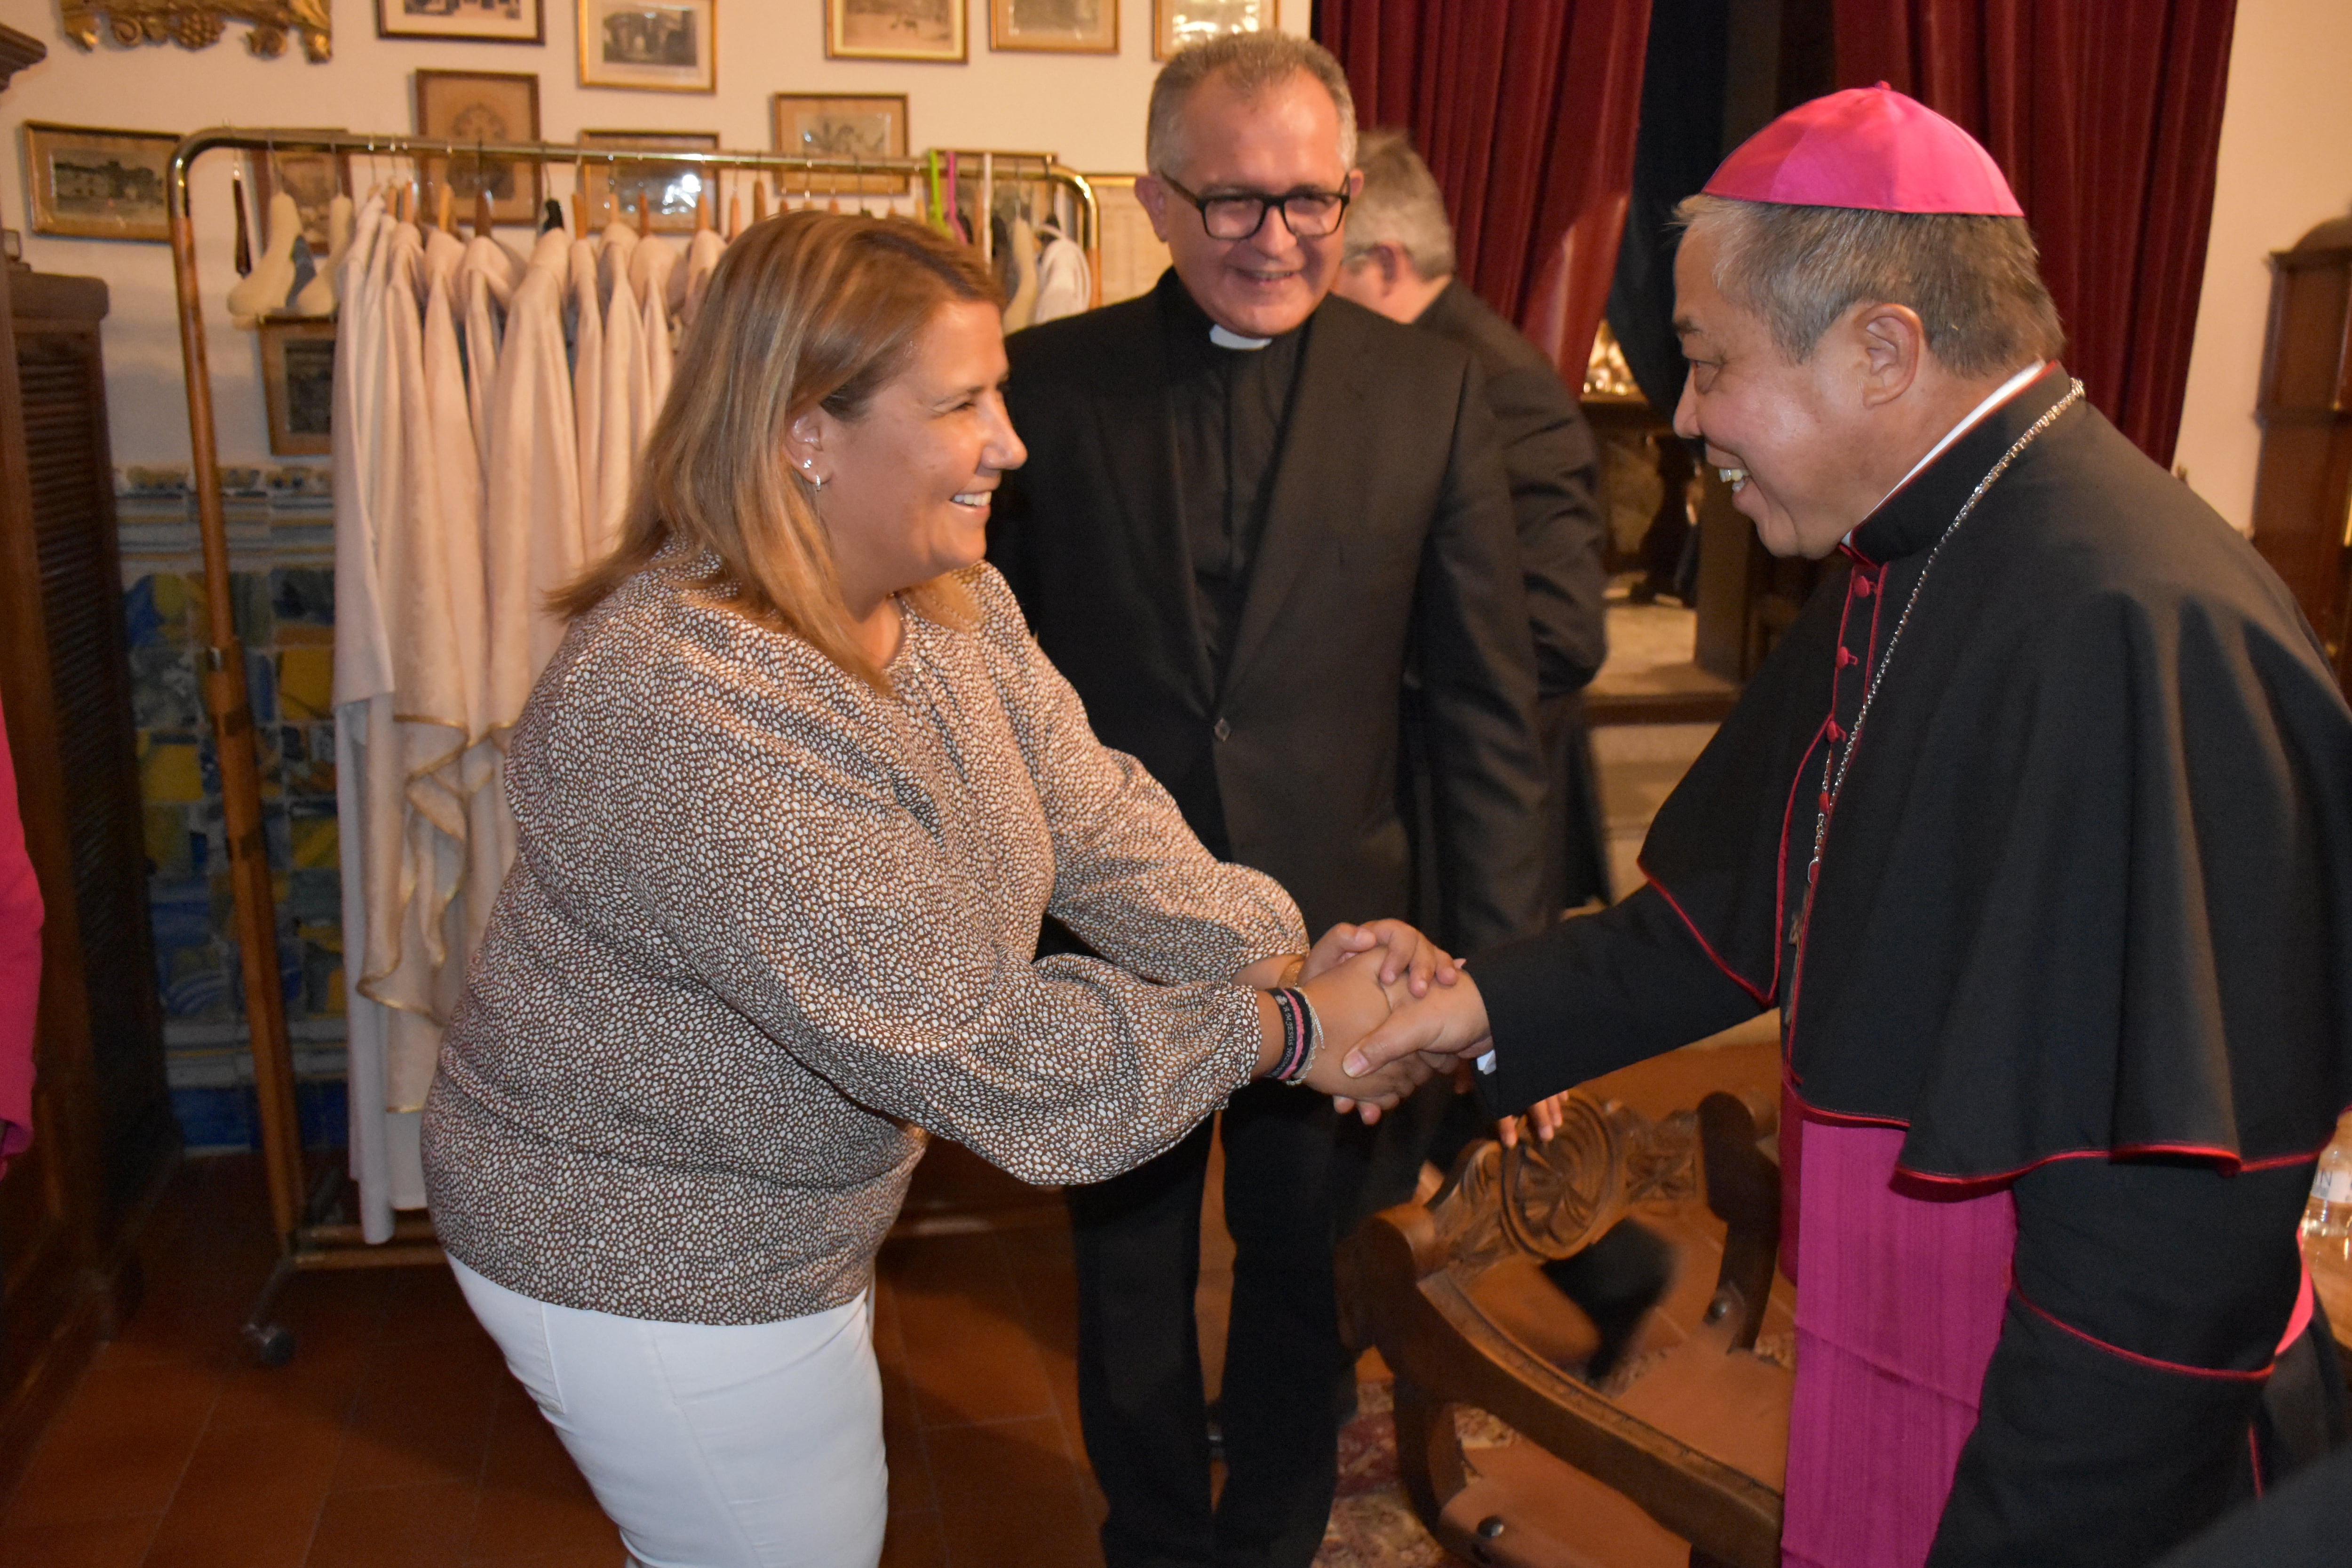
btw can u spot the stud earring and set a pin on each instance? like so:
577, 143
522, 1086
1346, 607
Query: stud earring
808, 467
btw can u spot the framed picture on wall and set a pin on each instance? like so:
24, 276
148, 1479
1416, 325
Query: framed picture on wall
1055, 26
659, 45
1176, 23
312, 178
482, 106
895, 30
474, 21
840, 125
298, 384
96, 185
669, 190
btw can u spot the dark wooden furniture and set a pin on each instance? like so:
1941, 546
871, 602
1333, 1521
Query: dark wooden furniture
1678, 1456
2303, 488
103, 1132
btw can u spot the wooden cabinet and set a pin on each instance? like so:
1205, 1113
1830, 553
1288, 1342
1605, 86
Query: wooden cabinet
2303, 488
103, 1132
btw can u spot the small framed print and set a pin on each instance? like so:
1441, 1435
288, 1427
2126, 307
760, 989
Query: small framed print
482, 106
669, 190
896, 30
1054, 27
298, 383
312, 178
98, 184
474, 21
841, 125
658, 45
1176, 23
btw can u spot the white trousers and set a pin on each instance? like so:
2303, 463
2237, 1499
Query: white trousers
758, 1446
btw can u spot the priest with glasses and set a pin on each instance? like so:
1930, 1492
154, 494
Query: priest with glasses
1247, 506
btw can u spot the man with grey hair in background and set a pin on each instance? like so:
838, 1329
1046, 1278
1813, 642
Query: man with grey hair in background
1246, 507
1400, 262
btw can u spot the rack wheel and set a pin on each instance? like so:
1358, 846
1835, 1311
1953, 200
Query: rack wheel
272, 1343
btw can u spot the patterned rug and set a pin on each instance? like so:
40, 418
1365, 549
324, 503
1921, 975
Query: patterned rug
1372, 1523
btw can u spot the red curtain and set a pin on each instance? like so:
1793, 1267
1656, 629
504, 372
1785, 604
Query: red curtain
2106, 115
1527, 111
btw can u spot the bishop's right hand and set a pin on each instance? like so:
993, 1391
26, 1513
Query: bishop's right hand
1447, 1025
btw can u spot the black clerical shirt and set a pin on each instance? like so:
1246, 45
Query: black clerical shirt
1231, 408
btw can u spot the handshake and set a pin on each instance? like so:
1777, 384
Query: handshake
1395, 1010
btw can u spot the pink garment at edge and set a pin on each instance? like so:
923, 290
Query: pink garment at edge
20, 969
1899, 1304
1867, 147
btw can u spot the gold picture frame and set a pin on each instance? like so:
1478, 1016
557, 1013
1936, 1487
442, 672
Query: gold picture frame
466, 21
1054, 27
650, 46
674, 188
840, 125
88, 183
482, 106
1176, 23
313, 177
931, 30
298, 384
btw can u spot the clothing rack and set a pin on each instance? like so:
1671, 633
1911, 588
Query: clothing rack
307, 1219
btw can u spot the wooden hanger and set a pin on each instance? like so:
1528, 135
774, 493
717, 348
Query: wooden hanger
443, 199
702, 211
734, 217
645, 216
484, 218
580, 212
407, 202
760, 202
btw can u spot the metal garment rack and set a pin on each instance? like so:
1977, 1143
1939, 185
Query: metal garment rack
306, 1219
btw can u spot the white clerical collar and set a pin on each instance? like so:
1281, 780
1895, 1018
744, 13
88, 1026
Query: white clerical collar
1225, 339
2001, 394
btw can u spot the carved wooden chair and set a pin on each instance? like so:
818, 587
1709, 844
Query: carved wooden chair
1679, 1456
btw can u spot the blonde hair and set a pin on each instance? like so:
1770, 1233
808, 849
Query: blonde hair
807, 310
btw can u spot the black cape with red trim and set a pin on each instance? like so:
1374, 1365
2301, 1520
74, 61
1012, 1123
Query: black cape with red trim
2088, 883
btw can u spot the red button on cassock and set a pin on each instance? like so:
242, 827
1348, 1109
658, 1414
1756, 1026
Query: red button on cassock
1861, 586
1845, 656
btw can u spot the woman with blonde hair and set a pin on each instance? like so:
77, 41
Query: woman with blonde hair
792, 800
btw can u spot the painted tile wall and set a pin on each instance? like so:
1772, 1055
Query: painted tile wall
282, 540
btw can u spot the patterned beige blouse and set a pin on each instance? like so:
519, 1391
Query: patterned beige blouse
767, 926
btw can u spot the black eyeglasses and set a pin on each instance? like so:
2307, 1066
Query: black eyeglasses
1309, 214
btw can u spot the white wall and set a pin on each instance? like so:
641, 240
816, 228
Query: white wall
1086, 108
2285, 166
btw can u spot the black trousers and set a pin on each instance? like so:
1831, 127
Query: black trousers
1138, 1239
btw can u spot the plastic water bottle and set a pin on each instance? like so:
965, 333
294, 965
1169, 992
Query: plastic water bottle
2327, 1218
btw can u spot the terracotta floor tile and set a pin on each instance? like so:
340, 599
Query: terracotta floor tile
118, 1447
902, 1445
423, 1415
969, 1356
1008, 1496
394, 1526
914, 1539
424, 1304
533, 1499
250, 1497
83, 1543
